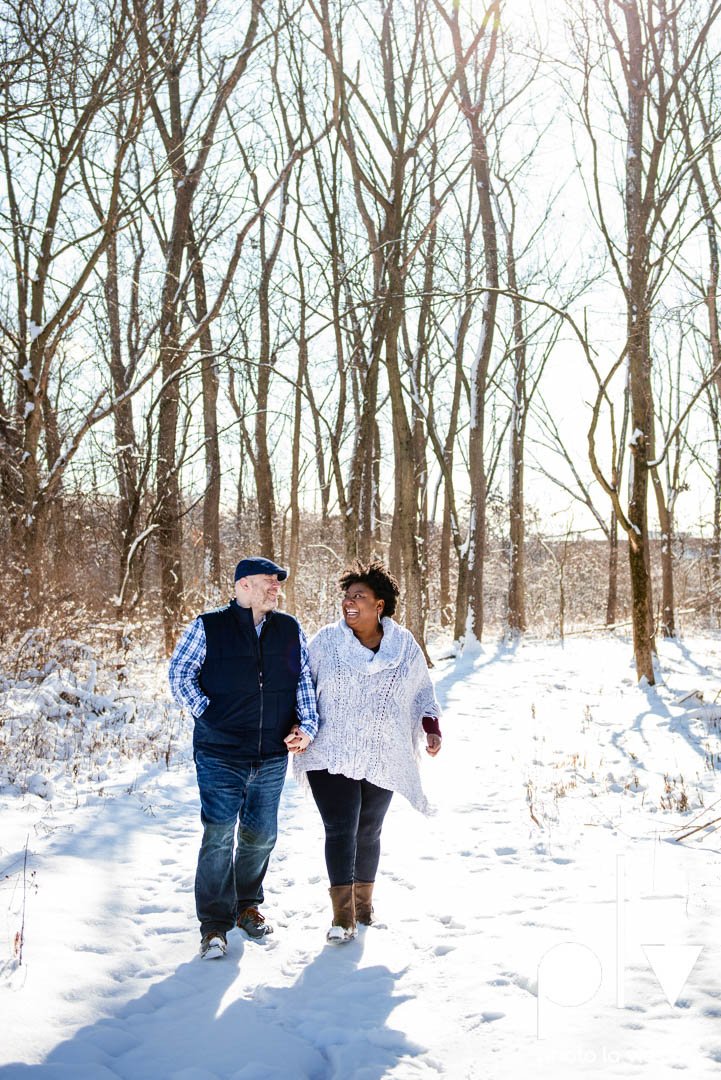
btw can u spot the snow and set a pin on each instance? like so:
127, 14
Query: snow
545, 921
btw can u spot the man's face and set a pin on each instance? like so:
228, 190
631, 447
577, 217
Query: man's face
258, 591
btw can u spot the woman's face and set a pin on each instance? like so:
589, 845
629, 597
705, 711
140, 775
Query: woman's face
361, 607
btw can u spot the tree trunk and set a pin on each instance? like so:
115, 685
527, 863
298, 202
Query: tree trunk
294, 546
639, 355
444, 569
665, 517
209, 376
359, 525
612, 596
405, 509
519, 406
56, 509
130, 568
169, 532
264, 487
716, 543
517, 541
474, 556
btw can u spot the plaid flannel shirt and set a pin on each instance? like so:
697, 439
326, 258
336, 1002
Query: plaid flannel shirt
187, 660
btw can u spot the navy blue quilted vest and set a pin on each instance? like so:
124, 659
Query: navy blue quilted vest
251, 682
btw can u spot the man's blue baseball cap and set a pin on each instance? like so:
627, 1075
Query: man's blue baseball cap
247, 567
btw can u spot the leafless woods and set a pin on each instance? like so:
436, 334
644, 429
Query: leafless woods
417, 278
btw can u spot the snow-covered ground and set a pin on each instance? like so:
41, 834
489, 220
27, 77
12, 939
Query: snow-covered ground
547, 921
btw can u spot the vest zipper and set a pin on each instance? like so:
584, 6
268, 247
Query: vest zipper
260, 683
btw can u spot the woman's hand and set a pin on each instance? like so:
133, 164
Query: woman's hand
297, 741
433, 744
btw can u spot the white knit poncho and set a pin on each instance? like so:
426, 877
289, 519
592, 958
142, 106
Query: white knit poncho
370, 706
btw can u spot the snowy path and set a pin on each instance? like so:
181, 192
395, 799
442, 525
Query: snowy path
478, 900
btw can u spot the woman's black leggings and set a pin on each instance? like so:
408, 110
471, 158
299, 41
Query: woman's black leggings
352, 813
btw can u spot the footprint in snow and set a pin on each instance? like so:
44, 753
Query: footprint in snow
522, 982
267, 943
158, 909
483, 1018
450, 923
402, 881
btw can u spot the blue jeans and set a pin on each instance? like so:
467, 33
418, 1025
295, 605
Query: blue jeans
352, 813
245, 794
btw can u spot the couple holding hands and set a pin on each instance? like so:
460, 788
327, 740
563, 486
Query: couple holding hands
351, 706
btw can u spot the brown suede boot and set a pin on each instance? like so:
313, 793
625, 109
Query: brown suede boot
364, 902
343, 928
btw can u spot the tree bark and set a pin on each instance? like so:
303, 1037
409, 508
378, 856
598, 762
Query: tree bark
209, 377
519, 411
612, 594
471, 575
130, 564
639, 354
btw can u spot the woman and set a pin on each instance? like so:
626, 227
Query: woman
375, 700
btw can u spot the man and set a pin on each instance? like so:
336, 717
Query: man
242, 671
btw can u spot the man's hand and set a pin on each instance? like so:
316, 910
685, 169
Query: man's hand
297, 741
433, 744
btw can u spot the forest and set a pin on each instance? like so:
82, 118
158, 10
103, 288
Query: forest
434, 282
419, 279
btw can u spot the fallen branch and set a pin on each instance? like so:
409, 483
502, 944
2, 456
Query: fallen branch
618, 625
703, 825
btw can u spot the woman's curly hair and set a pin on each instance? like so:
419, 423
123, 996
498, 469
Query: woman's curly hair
373, 574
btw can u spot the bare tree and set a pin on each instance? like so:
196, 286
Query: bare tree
634, 41
174, 42
64, 96
472, 102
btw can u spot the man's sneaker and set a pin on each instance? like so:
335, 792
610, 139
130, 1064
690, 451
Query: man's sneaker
213, 945
251, 920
